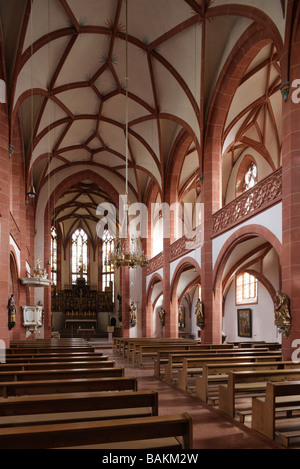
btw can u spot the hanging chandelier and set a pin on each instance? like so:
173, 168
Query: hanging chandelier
127, 254
127, 257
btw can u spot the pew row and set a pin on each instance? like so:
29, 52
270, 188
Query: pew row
31, 358
44, 349
279, 396
21, 388
250, 383
175, 360
122, 344
146, 354
67, 373
49, 365
162, 355
215, 374
63, 342
153, 432
141, 351
76, 407
192, 368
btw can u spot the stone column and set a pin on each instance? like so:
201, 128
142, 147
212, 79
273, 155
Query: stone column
291, 199
212, 300
4, 225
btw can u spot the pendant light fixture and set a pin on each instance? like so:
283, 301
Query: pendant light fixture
124, 255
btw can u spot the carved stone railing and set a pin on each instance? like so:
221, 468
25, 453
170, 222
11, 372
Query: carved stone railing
186, 244
179, 248
264, 194
155, 263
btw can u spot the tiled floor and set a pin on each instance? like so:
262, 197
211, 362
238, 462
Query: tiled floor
211, 430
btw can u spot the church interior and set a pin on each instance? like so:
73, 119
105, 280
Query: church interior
149, 163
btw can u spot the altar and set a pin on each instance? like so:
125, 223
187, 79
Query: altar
80, 307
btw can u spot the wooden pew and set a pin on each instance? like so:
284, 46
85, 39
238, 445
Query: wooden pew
49, 365
216, 373
132, 346
38, 350
49, 409
31, 358
250, 383
270, 345
194, 367
125, 345
67, 373
84, 401
279, 396
162, 354
175, 360
21, 388
146, 354
149, 432
66, 342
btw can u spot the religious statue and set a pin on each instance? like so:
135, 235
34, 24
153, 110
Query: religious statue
161, 315
181, 317
282, 313
12, 310
132, 314
199, 313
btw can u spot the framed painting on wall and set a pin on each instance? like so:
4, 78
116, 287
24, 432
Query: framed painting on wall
244, 319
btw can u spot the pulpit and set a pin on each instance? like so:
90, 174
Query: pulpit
32, 317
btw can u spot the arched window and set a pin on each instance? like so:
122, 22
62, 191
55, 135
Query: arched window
79, 258
247, 175
251, 176
54, 255
108, 271
246, 289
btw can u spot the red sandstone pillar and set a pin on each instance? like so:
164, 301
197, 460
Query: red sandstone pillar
47, 290
4, 225
146, 313
125, 301
291, 202
212, 300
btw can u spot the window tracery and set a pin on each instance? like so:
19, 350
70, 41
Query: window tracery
79, 255
108, 271
54, 255
246, 289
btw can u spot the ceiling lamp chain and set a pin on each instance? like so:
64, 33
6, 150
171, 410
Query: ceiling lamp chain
124, 255
31, 191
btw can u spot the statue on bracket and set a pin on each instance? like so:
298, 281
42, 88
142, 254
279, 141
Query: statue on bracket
282, 313
181, 316
199, 314
132, 314
12, 310
162, 315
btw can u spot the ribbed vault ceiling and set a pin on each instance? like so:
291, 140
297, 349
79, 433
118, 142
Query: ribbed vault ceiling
66, 65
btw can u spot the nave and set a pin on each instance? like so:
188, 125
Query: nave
211, 429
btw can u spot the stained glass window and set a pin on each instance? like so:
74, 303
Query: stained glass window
107, 270
246, 289
79, 258
54, 255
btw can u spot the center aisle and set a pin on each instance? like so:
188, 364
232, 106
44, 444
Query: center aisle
211, 430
